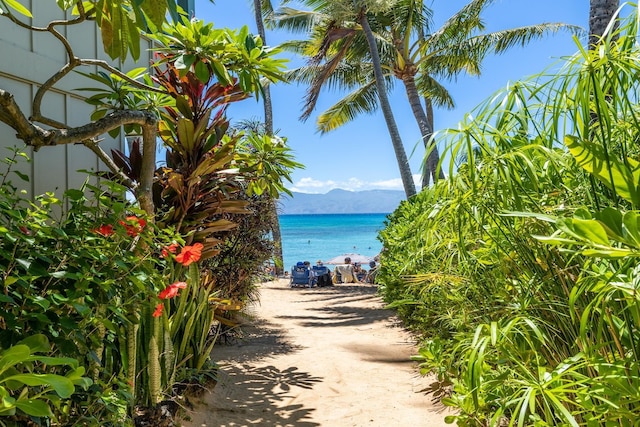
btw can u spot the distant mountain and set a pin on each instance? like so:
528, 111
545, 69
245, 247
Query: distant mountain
342, 201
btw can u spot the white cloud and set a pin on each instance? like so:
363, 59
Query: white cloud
315, 186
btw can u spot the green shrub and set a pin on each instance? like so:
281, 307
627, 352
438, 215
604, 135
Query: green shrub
521, 269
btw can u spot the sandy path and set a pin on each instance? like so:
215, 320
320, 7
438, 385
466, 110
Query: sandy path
318, 357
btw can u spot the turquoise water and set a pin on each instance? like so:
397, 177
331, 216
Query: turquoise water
314, 237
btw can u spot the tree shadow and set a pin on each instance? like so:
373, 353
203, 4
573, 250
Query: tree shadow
246, 395
257, 341
341, 316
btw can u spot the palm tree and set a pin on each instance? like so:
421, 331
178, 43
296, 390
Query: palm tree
262, 8
334, 25
416, 60
601, 12
398, 147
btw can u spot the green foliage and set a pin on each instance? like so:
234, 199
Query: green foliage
7, 5
78, 275
221, 55
269, 160
200, 192
26, 392
242, 252
520, 269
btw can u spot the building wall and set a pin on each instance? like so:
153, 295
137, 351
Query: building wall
28, 59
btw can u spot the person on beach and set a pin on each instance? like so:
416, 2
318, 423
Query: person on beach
322, 274
359, 271
312, 276
344, 273
371, 274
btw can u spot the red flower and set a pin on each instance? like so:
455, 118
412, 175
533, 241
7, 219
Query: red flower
190, 254
158, 311
105, 230
134, 225
171, 248
172, 290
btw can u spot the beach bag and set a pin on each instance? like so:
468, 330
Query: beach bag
325, 280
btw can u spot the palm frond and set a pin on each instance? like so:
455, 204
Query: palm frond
430, 88
324, 73
295, 20
299, 47
503, 40
449, 65
346, 76
362, 100
465, 20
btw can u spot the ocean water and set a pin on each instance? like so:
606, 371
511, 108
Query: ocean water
324, 236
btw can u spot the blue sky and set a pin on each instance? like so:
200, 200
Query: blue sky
359, 155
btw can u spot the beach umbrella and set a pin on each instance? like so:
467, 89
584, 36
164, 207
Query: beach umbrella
362, 259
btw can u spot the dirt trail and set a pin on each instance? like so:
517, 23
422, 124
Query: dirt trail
329, 357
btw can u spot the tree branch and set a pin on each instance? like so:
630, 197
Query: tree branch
92, 144
37, 137
144, 192
36, 105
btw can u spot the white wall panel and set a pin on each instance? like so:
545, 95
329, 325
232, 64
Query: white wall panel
15, 35
84, 38
43, 42
50, 163
79, 157
27, 60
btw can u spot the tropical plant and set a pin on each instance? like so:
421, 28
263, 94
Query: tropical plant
200, 192
269, 161
524, 278
215, 52
262, 9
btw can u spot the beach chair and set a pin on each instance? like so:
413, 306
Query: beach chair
300, 276
322, 276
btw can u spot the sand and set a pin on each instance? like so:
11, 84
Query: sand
318, 357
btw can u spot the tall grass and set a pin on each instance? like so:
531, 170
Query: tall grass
520, 268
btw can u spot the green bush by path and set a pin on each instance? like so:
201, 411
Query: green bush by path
520, 269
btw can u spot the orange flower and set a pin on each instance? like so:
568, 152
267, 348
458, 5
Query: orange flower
171, 248
105, 230
190, 254
133, 225
172, 290
158, 311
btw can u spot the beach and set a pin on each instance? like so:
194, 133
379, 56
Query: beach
324, 236
330, 357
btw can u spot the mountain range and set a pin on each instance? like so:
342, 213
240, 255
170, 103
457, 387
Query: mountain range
341, 202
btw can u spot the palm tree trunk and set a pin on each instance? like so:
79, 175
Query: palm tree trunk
266, 102
268, 125
398, 147
600, 14
426, 130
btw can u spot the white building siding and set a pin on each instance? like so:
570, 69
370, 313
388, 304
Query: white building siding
29, 59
